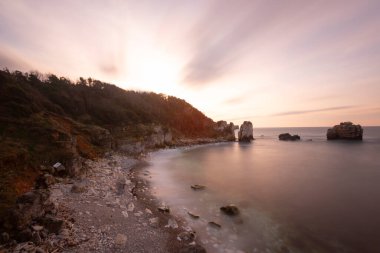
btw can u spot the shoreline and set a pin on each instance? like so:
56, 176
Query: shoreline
109, 207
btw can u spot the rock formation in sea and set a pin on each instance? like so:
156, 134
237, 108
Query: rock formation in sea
227, 130
289, 137
346, 131
246, 132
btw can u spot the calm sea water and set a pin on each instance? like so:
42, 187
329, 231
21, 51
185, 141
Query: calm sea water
308, 196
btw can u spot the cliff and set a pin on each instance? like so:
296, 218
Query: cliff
49, 119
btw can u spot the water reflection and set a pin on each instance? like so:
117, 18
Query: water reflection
293, 196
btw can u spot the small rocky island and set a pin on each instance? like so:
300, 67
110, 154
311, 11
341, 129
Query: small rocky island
289, 137
345, 131
246, 132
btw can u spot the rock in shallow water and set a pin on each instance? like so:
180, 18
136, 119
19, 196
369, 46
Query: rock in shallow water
197, 187
231, 210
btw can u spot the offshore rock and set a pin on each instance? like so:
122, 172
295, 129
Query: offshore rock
346, 131
246, 132
289, 137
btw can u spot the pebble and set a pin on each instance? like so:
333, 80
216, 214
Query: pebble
131, 207
120, 239
125, 214
172, 224
37, 227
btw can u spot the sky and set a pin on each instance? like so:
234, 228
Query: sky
273, 62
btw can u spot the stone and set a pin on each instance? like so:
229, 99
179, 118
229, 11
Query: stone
25, 235
78, 188
194, 216
289, 137
214, 224
36, 238
197, 187
121, 240
231, 210
125, 214
246, 132
59, 169
52, 224
44, 181
186, 236
164, 209
172, 224
29, 206
4, 237
193, 249
120, 186
39, 250
37, 227
131, 207
345, 131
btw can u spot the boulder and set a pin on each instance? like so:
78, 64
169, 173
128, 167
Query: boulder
78, 188
59, 169
288, 137
346, 131
246, 132
52, 224
44, 181
231, 210
29, 206
186, 236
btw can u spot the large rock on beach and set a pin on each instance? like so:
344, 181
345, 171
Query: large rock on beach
288, 137
246, 132
346, 131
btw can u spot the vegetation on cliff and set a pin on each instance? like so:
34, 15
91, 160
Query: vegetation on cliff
44, 119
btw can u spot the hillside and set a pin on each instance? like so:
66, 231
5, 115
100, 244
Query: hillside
45, 119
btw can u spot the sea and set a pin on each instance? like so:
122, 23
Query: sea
303, 196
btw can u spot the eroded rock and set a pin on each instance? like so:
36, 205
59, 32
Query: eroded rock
246, 132
346, 131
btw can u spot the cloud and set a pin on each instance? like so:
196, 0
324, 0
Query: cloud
336, 108
12, 60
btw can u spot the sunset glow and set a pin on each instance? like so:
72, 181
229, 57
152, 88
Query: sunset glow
275, 63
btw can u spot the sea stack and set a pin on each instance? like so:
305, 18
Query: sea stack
345, 131
246, 132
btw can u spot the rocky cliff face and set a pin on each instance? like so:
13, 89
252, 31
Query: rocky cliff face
149, 137
227, 130
345, 130
246, 132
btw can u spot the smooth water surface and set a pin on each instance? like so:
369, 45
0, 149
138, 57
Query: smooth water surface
312, 195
